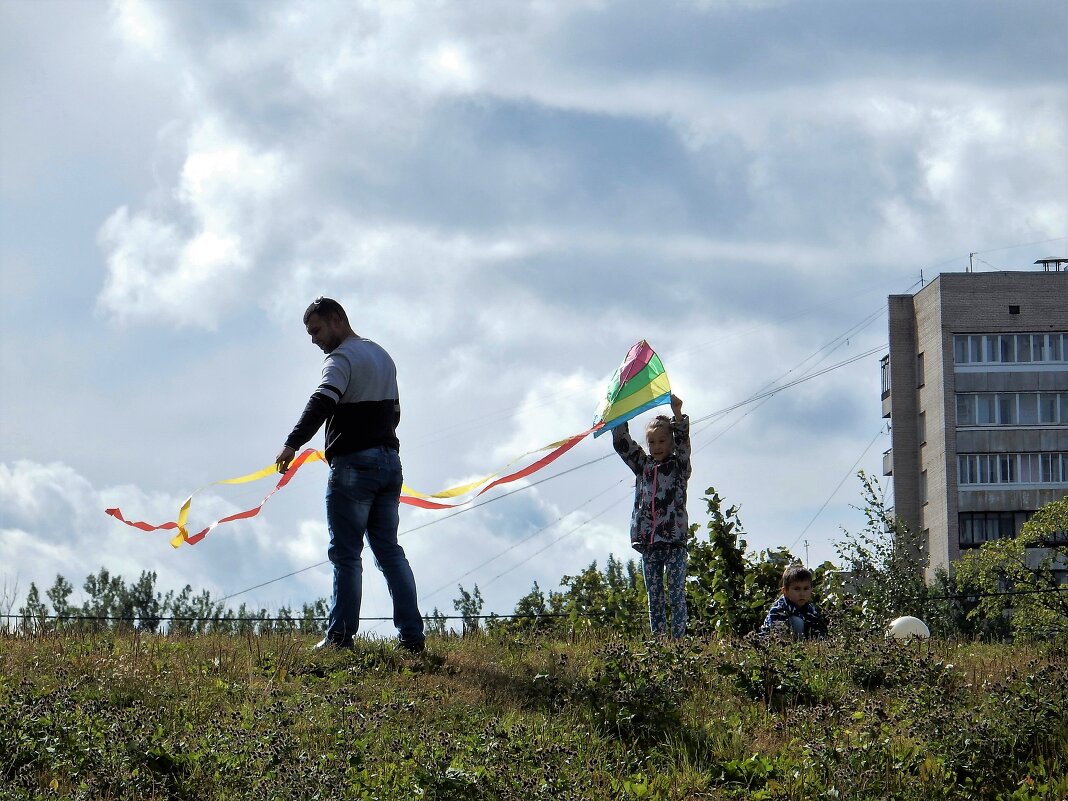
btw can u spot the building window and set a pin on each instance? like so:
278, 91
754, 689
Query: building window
975, 528
1011, 408
1010, 348
985, 414
960, 350
1048, 412
1011, 468
919, 371
1027, 408
965, 410
921, 427
1014, 309
1007, 349
1006, 408
1023, 348
923, 487
1030, 469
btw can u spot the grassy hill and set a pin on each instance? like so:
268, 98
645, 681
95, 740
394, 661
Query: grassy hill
129, 716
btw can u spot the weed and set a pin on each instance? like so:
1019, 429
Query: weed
111, 715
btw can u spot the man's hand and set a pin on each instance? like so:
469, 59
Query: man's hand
284, 457
676, 406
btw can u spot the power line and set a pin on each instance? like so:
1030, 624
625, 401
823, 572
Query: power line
511, 411
562, 536
463, 510
762, 397
516, 544
840, 339
838, 486
793, 383
1024, 245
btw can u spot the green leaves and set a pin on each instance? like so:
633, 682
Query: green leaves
1017, 580
728, 591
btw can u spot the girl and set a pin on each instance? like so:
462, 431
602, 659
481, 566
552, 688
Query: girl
659, 524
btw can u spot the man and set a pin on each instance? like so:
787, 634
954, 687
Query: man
359, 402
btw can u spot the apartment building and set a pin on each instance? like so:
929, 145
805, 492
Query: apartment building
976, 389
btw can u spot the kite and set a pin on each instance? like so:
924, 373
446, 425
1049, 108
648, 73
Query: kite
638, 385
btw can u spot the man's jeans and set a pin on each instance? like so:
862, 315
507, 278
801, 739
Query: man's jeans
363, 495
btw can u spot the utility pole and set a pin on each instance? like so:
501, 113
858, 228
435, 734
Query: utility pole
807, 564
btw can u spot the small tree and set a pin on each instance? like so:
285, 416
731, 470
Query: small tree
436, 622
884, 567
59, 595
106, 599
469, 605
530, 614
146, 602
614, 598
311, 617
1020, 578
726, 591
35, 612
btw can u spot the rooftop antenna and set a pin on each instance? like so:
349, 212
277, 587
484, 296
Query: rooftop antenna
971, 265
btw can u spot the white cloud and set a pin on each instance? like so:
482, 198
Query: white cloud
189, 274
507, 201
138, 25
52, 521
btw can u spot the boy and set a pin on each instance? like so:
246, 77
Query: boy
794, 611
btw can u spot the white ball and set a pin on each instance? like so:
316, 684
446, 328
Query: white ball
904, 628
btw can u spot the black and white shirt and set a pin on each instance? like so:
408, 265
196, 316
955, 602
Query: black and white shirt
357, 398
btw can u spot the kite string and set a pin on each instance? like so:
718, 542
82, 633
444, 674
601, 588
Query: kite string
641, 388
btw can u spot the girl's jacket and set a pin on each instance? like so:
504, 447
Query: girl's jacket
659, 518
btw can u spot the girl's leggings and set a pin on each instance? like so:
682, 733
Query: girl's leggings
655, 563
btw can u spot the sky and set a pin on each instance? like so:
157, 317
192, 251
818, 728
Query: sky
506, 197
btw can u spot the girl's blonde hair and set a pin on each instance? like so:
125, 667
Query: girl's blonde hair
660, 421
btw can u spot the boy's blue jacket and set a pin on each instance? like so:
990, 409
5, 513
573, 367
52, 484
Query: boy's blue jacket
782, 610
659, 517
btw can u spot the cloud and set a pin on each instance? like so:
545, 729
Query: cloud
52, 522
506, 202
185, 264
409, 146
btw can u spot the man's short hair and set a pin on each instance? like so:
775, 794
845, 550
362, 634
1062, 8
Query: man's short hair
325, 307
794, 574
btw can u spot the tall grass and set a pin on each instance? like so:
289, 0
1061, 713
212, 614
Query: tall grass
137, 716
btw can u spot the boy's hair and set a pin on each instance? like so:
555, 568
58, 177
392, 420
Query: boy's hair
660, 421
325, 307
795, 573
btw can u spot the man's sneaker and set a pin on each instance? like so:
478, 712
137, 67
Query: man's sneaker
336, 645
416, 647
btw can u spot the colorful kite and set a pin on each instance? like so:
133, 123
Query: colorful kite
639, 384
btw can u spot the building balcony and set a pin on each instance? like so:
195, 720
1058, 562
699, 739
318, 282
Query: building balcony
888, 462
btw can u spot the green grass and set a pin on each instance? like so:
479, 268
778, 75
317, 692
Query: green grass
128, 716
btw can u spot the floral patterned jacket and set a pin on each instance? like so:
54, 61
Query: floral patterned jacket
659, 518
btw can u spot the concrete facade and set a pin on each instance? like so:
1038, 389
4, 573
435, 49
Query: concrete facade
928, 331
